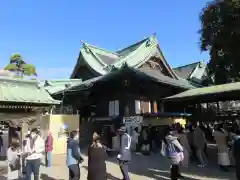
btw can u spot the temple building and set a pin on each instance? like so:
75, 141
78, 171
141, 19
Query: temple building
128, 83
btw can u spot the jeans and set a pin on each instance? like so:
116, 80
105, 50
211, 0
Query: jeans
201, 156
48, 159
74, 172
124, 169
32, 166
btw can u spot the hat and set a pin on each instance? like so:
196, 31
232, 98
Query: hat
122, 129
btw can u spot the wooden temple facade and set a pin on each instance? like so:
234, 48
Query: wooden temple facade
130, 82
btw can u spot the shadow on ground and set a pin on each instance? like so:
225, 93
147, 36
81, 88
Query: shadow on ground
157, 167
46, 177
110, 176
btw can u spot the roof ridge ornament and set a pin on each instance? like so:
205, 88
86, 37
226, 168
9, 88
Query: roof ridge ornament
148, 42
85, 46
201, 63
113, 68
124, 65
47, 83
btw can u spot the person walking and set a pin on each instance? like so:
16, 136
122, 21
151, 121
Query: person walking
13, 159
74, 157
145, 147
220, 136
33, 150
190, 137
173, 150
200, 144
135, 136
182, 136
124, 155
96, 160
236, 153
48, 149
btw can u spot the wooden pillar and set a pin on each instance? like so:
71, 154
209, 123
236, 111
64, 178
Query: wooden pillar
24, 131
11, 130
161, 107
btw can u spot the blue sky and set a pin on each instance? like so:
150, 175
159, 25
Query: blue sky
48, 32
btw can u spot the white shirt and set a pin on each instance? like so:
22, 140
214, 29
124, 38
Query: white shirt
38, 149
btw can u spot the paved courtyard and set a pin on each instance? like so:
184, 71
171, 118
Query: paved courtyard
154, 167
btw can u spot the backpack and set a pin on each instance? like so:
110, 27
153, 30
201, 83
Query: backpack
169, 148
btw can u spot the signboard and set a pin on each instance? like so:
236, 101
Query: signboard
132, 122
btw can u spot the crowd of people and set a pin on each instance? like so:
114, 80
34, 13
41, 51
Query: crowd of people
24, 158
181, 145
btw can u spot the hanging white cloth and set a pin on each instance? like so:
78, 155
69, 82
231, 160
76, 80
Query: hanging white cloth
223, 159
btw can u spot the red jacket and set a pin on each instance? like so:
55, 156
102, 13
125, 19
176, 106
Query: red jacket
49, 143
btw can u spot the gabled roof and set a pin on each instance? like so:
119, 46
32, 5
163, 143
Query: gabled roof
196, 72
102, 61
186, 70
53, 86
182, 83
23, 91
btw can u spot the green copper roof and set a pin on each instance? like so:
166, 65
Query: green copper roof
54, 86
102, 61
80, 86
186, 71
182, 83
23, 91
151, 74
201, 92
195, 72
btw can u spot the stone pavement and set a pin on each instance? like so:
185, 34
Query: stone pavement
142, 167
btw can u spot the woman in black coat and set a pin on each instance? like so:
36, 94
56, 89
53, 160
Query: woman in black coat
96, 160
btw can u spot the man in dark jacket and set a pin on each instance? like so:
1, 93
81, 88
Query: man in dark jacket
236, 154
74, 157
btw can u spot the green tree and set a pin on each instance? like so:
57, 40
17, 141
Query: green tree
19, 67
220, 36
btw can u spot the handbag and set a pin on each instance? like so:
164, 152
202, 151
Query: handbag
15, 165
